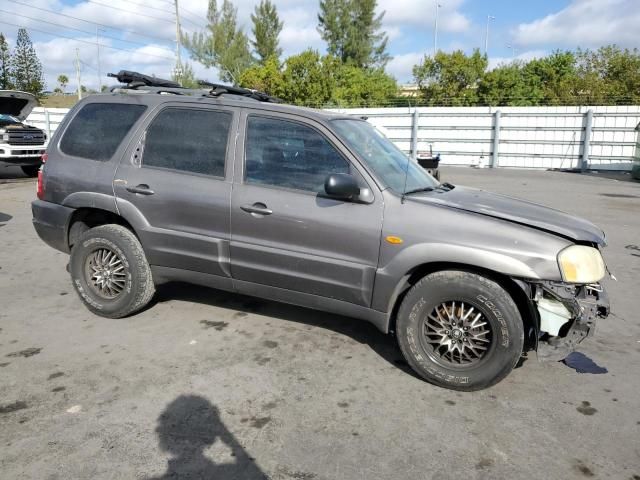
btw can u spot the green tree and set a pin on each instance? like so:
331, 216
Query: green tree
353, 32
451, 78
309, 78
266, 78
507, 85
362, 87
266, 31
557, 76
26, 69
5, 64
223, 45
63, 81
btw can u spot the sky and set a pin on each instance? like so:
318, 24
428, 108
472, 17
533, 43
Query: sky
140, 34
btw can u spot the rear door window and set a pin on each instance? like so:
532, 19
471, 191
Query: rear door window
188, 140
97, 129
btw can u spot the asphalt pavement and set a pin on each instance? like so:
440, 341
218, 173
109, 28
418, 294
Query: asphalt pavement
207, 384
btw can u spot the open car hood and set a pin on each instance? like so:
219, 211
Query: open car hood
516, 211
17, 104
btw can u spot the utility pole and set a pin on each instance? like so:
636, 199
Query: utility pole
435, 32
98, 57
486, 37
178, 43
78, 74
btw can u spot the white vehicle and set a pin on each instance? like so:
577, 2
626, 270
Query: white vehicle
20, 144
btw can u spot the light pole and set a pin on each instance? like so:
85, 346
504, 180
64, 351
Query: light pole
513, 51
486, 36
435, 31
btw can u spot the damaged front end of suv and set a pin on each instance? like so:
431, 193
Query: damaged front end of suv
566, 312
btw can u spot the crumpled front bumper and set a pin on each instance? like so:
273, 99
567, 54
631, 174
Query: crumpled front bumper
585, 304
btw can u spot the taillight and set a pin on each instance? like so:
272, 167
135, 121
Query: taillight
40, 187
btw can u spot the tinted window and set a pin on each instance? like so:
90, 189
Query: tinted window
289, 154
189, 140
98, 129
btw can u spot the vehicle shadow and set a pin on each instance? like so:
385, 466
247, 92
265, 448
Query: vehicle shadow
358, 330
189, 425
9, 174
4, 218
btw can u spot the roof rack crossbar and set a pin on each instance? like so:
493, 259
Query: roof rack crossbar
146, 83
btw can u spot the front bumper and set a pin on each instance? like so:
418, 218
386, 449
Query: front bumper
585, 304
21, 155
51, 222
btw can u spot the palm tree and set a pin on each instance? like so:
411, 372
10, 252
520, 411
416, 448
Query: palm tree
63, 80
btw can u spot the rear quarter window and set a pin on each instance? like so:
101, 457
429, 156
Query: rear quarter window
97, 129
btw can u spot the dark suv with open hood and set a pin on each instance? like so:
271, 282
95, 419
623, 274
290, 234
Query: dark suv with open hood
20, 144
225, 188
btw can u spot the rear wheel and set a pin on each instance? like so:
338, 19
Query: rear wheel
110, 272
30, 170
460, 330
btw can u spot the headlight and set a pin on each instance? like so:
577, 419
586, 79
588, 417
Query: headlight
581, 264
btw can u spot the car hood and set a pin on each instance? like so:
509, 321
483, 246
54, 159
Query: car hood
17, 104
516, 211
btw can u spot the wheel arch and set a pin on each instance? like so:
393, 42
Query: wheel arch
519, 291
84, 218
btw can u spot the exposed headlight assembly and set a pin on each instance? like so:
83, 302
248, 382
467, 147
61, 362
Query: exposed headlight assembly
581, 264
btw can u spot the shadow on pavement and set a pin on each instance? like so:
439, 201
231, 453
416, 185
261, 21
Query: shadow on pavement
358, 330
189, 425
621, 176
4, 218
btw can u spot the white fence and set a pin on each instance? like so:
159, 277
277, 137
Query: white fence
529, 137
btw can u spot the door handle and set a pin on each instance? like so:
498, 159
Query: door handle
257, 209
142, 189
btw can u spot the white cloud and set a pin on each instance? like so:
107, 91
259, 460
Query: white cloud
585, 23
422, 13
524, 57
401, 66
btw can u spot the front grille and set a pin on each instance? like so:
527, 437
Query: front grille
26, 137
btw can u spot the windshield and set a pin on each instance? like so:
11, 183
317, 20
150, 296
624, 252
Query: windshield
4, 118
385, 159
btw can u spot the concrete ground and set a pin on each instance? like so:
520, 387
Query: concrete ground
206, 384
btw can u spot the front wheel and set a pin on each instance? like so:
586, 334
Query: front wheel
110, 272
460, 330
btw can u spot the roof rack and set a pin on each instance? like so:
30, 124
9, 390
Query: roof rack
146, 83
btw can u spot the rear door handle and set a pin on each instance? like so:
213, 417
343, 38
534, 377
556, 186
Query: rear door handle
142, 189
257, 209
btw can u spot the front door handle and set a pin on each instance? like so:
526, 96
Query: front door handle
257, 209
142, 189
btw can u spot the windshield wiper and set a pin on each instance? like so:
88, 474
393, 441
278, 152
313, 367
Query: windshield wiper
415, 190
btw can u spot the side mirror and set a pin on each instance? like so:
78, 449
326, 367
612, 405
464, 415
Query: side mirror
342, 186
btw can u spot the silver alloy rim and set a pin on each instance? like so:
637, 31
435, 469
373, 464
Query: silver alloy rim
457, 334
105, 273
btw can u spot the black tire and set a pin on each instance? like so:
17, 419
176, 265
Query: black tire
135, 285
421, 343
30, 170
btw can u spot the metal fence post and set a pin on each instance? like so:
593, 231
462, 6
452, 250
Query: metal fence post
414, 134
47, 123
586, 142
496, 139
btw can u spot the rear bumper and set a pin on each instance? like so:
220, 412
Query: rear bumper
51, 222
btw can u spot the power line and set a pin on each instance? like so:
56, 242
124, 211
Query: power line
129, 11
133, 32
182, 10
85, 41
73, 28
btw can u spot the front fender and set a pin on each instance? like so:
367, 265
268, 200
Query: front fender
391, 277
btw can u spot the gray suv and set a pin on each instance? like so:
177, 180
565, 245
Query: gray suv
225, 188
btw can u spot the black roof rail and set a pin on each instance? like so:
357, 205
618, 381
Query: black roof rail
135, 81
218, 89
